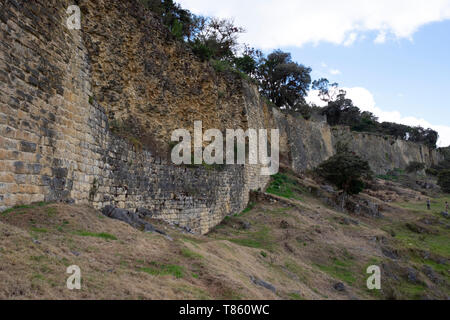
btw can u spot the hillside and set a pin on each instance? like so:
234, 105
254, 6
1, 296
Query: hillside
86, 121
279, 248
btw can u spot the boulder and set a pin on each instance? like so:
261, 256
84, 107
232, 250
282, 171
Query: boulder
144, 213
264, 284
429, 272
327, 188
130, 218
339, 287
246, 225
412, 275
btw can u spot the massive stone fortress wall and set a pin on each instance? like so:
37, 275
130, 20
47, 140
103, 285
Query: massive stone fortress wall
309, 143
62, 90
385, 153
55, 142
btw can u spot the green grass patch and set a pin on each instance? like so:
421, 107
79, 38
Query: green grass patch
388, 177
437, 205
192, 240
412, 291
37, 276
102, 235
437, 267
190, 254
61, 227
13, 209
260, 239
297, 270
51, 212
284, 186
339, 269
39, 230
157, 269
22, 207
438, 244
295, 296
249, 208
278, 211
37, 258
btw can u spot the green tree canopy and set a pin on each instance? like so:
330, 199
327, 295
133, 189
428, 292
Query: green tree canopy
415, 166
347, 171
444, 181
284, 82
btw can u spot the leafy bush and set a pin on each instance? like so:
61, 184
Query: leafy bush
201, 50
444, 181
284, 186
221, 66
347, 171
432, 172
179, 21
216, 37
415, 166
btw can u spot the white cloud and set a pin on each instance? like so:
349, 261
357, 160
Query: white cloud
381, 38
281, 23
335, 72
364, 99
350, 39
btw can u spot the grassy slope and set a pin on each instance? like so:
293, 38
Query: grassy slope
300, 246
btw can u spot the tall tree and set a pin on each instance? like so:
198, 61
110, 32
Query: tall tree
327, 92
283, 81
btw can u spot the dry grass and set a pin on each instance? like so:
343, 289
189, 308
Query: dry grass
299, 246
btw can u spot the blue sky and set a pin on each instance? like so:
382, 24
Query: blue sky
393, 57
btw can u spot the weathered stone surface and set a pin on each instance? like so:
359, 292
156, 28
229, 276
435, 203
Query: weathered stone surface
56, 141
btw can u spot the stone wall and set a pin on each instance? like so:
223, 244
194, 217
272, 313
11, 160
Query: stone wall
62, 91
55, 142
385, 153
150, 84
308, 143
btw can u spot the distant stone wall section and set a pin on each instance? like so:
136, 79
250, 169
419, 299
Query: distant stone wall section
308, 143
385, 153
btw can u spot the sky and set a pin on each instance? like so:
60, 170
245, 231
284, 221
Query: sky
392, 56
